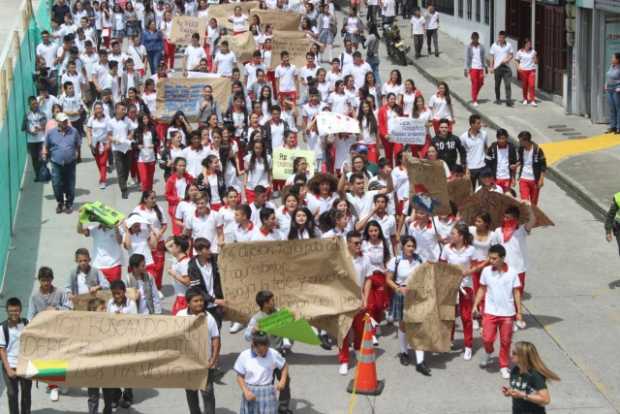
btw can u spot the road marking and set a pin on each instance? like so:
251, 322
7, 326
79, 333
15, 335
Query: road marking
559, 150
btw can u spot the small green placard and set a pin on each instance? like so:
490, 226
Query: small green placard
283, 324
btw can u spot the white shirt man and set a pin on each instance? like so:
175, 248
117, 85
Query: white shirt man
120, 130
418, 25
500, 52
194, 54
225, 63
475, 146
286, 76
205, 225
358, 70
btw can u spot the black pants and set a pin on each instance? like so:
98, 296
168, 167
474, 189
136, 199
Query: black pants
432, 35
474, 175
503, 72
218, 315
34, 149
13, 386
371, 14
616, 230
418, 43
122, 160
208, 397
285, 394
109, 395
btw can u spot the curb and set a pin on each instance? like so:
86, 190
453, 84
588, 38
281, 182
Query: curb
575, 190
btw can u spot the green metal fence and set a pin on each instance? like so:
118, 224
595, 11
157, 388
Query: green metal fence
16, 84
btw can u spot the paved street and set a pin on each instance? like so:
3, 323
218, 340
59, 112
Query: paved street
573, 313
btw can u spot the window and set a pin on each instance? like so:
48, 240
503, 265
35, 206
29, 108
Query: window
443, 6
469, 11
461, 8
487, 11
478, 11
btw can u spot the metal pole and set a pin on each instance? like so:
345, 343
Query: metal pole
533, 38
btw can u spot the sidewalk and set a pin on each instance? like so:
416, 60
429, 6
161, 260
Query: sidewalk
580, 155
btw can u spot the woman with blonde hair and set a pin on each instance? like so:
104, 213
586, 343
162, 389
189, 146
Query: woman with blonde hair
528, 387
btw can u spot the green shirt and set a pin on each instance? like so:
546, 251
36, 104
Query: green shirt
529, 383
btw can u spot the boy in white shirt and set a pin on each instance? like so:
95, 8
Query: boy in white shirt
193, 54
286, 79
224, 60
267, 231
501, 54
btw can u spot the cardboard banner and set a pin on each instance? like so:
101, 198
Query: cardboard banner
407, 130
243, 45
295, 43
430, 306
459, 189
282, 161
496, 204
278, 19
183, 27
314, 279
185, 94
80, 302
334, 123
428, 177
222, 12
99, 349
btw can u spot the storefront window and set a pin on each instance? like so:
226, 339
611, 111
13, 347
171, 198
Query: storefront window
478, 10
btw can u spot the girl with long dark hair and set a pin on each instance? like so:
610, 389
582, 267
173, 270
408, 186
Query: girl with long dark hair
370, 131
258, 170
150, 210
175, 190
211, 182
440, 105
147, 146
302, 225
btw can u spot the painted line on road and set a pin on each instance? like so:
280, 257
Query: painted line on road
559, 150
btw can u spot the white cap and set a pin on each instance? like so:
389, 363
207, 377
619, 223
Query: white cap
61, 117
135, 219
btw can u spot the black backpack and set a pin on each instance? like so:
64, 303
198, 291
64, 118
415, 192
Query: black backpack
5, 330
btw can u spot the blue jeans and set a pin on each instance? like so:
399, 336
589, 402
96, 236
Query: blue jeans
613, 99
154, 57
63, 182
375, 71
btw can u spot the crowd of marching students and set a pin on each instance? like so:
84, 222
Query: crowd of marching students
97, 74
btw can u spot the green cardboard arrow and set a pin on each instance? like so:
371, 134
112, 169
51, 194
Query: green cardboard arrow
283, 324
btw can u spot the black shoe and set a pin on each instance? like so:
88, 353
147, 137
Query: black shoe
325, 342
404, 359
498, 102
125, 403
423, 369
124, 195
69, 208
509, 104
436, 54
59, 208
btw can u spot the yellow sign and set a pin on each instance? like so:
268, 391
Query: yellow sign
283, 161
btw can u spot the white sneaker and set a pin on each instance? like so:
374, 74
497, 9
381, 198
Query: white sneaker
521, 324
525, 102
534, 103
236, 327
505, 373
515, 328
485, 359
375, 341
467, 354
102, 186
161, 295
475, 104
344, 369
54, 394
476, 325
286, 343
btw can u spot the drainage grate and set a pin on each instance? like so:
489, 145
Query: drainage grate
564, 129
556, 126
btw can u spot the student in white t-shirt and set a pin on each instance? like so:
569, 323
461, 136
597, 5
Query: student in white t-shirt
527, 59
501, 54
107, 252
224, 60
286, 79
178, 246
257, 170
193, 54
239, 21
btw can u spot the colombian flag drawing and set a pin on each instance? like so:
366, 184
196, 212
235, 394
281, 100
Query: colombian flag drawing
47, 370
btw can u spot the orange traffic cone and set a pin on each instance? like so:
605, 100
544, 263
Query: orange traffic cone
365, 381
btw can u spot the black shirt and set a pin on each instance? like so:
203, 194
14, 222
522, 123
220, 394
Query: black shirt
529, 383
450, 149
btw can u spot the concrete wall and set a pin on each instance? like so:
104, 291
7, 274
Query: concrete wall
461, 28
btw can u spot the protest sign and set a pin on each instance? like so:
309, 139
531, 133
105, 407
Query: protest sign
283, 159
283, 324
243, 45
459, 189
222, 12
106, 350
429, 177
496, 204
334, 123
294, 42
183, 27
314, 279
278, 19
406, 130
185, 94
430, 306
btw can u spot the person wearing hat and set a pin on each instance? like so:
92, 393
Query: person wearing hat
61, 145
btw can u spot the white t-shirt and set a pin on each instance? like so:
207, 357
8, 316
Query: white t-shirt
48, 53
392, 88
499, 298
180, 268
259, 235
12, 351
400, 179
194, 159
527, 60
476, 57
151, 217
426, 241
515, 248
128, 308
363, 268
527, 173
140, 244
481, 247
439, 107
500, 52
286, 76
339, 103
184, 210
239, 23
461, 258
120, 129
225, 63
107, 250
363, 205
147, 152
204, 226
99, 130
503, 164
358, 72
389, 8
418, 25
243, 234
475, 146
316, 203
193, 55
214, 332
259, 175
137, 54
257, 370
227, 219
406, 267
375, 255
432, 20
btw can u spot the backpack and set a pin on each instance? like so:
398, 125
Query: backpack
5, 330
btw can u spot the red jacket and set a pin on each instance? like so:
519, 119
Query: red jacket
171, 189
382, 121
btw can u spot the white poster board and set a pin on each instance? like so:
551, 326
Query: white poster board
405, 130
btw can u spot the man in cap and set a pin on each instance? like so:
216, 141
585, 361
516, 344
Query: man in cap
61, 146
